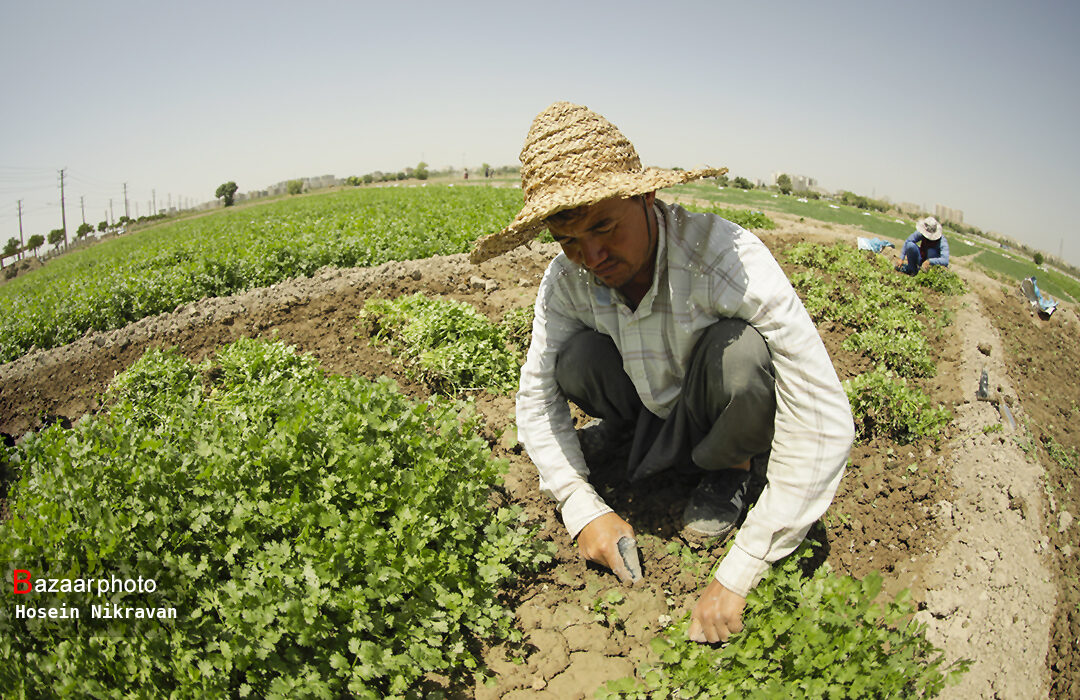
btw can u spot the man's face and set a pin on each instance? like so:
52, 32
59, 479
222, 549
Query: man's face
614, 239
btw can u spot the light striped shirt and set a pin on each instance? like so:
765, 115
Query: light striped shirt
706, 269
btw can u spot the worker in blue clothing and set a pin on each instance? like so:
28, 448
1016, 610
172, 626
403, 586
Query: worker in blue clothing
926, 247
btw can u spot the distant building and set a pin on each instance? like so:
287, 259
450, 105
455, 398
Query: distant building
310, 183
944, 213
909, 208
799, 183
321, 182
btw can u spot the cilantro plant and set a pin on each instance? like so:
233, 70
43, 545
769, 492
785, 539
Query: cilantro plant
816, 636
743, 217
517, 325
884, 405
147, 272
448, 344
940, 279
318, 536
882, 310
862, 292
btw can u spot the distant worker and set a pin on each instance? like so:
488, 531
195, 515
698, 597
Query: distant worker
924, 248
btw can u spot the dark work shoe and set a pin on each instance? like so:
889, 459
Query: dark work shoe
717, 503
601, 438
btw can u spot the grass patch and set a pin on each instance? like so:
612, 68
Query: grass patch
1053, 283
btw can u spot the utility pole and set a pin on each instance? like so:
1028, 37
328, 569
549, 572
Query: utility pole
22, 243
112, 219
153, 201
126, 214
63, 212
82, 205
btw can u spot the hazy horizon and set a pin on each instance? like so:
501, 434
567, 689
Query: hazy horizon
961, 104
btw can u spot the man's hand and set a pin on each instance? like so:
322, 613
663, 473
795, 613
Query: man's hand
717, 615
599, 542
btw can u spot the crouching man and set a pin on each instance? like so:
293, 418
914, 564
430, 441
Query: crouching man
681, 332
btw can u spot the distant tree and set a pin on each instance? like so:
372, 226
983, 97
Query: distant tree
102, 226
784, 183
723, 180
11, 247
56, 236
368, 179
401, 175
421, 171
124, 219
84, 229
227, 192
742, 183
36, 241
294, 186
1038, 257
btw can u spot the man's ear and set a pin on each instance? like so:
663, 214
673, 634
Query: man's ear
650, 197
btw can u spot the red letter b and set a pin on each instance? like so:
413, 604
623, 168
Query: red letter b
24, 580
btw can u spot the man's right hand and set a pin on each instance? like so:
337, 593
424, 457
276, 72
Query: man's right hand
599, 542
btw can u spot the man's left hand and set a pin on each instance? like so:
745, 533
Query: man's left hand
717, 615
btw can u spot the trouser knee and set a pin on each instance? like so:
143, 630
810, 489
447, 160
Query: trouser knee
589, 371
730, 394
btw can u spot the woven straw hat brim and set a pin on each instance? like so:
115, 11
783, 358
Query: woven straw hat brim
530, 220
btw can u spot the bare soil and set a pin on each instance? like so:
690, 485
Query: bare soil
978, 528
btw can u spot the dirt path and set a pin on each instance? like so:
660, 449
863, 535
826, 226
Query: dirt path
976, 562
989, 593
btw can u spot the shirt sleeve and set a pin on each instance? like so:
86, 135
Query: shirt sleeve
544, 424
943, 253
814, 429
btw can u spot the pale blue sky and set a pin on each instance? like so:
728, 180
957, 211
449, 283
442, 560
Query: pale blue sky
968, 104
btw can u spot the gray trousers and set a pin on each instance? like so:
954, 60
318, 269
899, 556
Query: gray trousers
723, 417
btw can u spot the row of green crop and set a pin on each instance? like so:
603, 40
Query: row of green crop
317, 537
114, 283
882, 309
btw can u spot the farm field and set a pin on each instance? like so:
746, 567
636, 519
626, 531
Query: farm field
987, 255
936, 515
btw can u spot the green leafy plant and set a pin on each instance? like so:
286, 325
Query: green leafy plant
805, 636
152, 271
318, 536
883, 405
941, 279
447, 343
746, 218
517, 325
862, 292
605, 608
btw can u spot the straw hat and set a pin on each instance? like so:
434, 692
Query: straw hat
573, 157
929, 228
